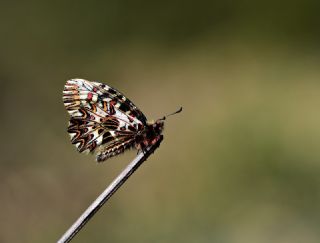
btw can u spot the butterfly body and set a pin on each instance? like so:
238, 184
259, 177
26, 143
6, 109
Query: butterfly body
103, 121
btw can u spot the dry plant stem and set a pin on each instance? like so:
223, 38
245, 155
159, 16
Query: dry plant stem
107, 193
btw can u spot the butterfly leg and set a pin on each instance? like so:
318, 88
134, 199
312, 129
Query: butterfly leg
141, 148
144, 151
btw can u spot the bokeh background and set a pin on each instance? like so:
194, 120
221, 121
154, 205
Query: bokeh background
240, 164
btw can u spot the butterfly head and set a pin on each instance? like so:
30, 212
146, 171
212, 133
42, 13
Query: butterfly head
155, 128
158, 125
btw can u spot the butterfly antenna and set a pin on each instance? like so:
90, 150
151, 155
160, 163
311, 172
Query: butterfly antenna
178, 111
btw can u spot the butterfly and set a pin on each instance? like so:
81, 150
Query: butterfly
105, 122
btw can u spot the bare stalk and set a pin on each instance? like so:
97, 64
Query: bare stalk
107, 193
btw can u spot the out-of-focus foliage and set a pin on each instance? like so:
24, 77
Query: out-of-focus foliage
239, 164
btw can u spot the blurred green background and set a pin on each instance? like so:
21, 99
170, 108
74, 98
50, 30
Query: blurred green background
240, 164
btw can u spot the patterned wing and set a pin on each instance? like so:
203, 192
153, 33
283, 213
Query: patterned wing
102, 119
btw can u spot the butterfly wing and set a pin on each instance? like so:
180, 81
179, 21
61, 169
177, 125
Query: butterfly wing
102, 119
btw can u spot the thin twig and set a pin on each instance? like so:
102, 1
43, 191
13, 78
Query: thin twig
107, 193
